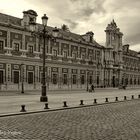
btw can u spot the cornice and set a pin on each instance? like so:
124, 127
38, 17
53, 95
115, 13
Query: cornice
12, 58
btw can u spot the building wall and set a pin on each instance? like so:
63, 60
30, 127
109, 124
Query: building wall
71, 56
121, 65
82, 59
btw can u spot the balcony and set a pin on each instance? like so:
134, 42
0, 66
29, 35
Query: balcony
41, 56
16, 52
29, 54
90, 62
65, 59
2, 51
82, 61
74, 60
54, 57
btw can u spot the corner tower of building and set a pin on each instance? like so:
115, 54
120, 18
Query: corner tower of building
113, 55
113, 37
28, 16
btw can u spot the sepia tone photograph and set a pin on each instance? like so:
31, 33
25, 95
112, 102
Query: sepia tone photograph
69, 70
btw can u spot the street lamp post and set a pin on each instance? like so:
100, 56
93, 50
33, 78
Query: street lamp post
46, 36
104, 69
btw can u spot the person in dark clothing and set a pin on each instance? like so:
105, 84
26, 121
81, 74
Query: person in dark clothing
92, 88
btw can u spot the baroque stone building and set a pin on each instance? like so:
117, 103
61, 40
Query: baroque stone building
72, 62
121, 65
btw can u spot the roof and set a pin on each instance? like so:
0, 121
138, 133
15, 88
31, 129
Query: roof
64, 34
71, 36
31, 12
10, 19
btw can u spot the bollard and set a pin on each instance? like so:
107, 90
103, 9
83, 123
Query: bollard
138, 96
46, 106
95, 101
106, 99
22, 108
132, 96
65, 104
81, 102
125, 98
116, 99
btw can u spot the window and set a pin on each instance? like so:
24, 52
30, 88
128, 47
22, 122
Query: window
83, 56
74, 55
135, 81
54, 79
97, 80
82, 79
113, 37
95, 55
1, 45
30, 49
31, 19
114, 55
138, 81
131, 81
74, 79
1, 77
30, 78
16, 46
16, 77
65, 79
90, 80
54, 52
90, 58
65, 54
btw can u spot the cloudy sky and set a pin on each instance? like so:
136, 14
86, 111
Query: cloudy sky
84, 15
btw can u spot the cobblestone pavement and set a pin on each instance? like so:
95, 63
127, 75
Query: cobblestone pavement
115, 121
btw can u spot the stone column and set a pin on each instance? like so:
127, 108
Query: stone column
60, 48
23, 41
8, 38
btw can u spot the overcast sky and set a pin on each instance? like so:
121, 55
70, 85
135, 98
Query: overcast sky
84, 15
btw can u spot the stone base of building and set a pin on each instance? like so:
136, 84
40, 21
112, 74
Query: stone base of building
37, 87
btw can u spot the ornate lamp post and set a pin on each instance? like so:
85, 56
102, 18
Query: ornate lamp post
46, 36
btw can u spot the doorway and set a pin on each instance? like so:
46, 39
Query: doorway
1, 76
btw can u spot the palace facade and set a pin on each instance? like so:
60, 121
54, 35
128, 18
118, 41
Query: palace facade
72, 62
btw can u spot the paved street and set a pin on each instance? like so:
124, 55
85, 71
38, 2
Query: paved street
114, 121
11, 104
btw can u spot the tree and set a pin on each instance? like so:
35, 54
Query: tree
65, 28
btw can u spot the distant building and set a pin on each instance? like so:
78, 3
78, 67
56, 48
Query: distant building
73, 62
121, 65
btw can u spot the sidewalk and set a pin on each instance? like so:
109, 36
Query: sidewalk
12, 104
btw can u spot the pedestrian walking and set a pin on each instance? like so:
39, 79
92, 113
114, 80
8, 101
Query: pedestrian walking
92, 88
